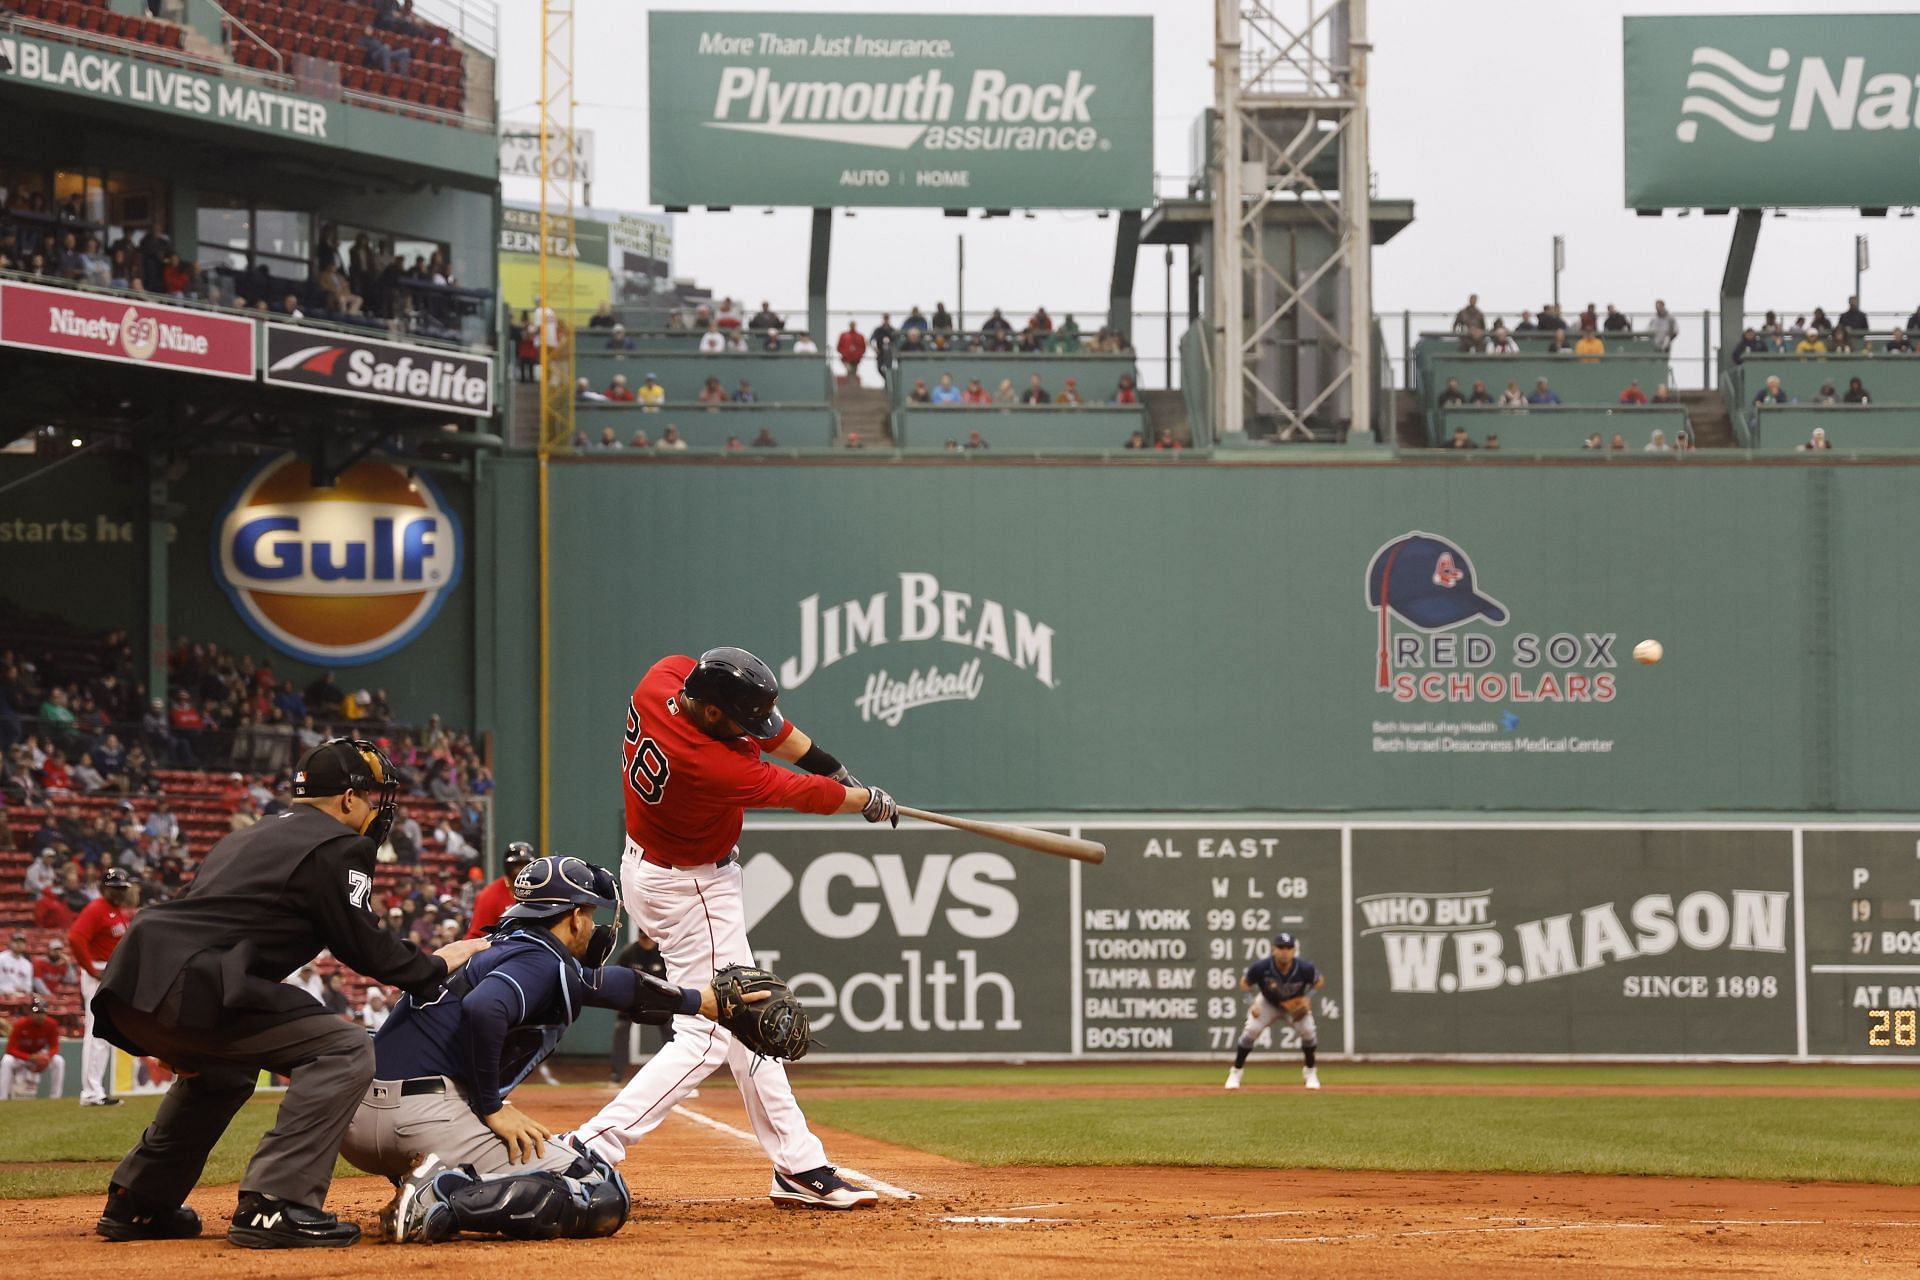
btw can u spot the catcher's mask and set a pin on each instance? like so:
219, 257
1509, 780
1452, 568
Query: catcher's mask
339, 765
554, 885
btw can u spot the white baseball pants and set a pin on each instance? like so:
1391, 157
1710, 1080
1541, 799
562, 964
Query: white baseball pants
698, 917
96, 1055
11, 1067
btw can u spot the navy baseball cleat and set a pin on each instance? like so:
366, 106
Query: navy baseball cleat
127, 1218
820, 1188
261, 1222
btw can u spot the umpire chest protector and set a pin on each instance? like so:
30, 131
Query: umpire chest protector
241, 927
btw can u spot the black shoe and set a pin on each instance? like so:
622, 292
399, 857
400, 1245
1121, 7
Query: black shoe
127, 1218
100, 1102
262, 1222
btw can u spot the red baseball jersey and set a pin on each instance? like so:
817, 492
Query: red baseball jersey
95, 934
489, 904
33, 1036
687, 794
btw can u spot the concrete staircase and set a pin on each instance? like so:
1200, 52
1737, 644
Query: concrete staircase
863, 409
1707, 419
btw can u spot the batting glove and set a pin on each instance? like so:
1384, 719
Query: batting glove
880, 807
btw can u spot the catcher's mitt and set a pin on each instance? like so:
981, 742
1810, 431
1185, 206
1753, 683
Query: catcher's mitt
773, 1028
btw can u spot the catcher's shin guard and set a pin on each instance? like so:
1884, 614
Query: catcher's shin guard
590, 1199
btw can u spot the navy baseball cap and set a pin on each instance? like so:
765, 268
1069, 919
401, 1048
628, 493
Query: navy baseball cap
1284, 940
1428, 581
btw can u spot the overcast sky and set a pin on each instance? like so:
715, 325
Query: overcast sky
1500, 120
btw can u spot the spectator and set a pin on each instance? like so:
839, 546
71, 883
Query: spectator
998, 332
1065, 339
1590, 345
1558, 345
976, 393
919, 394
914, 341
1898, 344
1772, 392
1853, 318
1816, 442
882, 340
1005, 394
1750, 342
338, 294
770, 341
16, 967
1136, 441
804, 345
1473, 342
639, 440
374, 1013
1461, 440
670, 439
1664, 328
851, 349
712, 392
1451, 394
50, 910
975, 442
89, 779
1856, 394
945, 393
1615, 321
1592, 443
57, 972
619, 391
1493, 441
942, 318
764, 319
1682, 442
1469, 316
334, 995
1663, 395
1618, 444
1035, 393
1827, 394
1633, 394
1513, 397
733, 445
854, 441
602, 317
1501, 343
1125, 392
744, 394
651, 394
765, 439
618, 340
712, 342
1479, 394
1543, 394
1589, 320
728, 316
1164, 441
1656, 443
390, 59
40, 873
526, 349
1811, 343
1526, 324
161, 824
1070, 393
1821, 324
583, 392
608, 440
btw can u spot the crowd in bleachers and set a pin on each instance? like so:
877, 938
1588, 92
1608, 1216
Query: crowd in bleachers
1584, 335
354, 284
1820, 336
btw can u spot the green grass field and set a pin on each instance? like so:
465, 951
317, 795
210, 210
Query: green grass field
56, 1148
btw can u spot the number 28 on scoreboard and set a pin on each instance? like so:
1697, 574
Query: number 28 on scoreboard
1892, 1028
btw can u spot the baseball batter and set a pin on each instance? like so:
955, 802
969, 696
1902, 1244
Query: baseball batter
1282, 983
694, 739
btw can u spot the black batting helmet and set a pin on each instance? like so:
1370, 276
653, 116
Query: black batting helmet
740, 685
115, 884
518, 855
36, 1005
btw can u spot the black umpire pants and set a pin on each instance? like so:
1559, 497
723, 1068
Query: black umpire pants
329, 1063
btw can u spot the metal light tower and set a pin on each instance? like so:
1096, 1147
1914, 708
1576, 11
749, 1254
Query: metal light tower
1291, 97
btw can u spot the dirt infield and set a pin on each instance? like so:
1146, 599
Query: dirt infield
701, 1209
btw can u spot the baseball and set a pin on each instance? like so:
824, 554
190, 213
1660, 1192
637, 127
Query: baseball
1648, 652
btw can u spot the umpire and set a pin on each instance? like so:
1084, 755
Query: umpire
197, 984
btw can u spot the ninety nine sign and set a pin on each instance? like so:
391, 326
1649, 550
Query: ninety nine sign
368, 369
887, 109
101, 327
1746, 112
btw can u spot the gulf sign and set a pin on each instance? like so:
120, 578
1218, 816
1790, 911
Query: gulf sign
340, 576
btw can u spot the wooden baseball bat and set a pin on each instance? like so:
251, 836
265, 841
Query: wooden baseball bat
1025, 837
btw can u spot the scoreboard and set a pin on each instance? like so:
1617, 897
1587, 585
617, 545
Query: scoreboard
1596, 940
1861, 895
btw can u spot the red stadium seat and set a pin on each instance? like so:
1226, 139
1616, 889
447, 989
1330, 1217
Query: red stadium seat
113, 25
176, 37
356, 79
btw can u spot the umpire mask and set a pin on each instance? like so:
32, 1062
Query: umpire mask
339, 765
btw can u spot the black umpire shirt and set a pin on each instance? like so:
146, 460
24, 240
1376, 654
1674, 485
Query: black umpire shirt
267, 900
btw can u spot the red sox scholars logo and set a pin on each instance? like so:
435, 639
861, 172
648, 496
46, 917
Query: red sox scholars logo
1428, 583
337, 576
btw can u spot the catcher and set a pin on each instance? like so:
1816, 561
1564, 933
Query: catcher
436, 1118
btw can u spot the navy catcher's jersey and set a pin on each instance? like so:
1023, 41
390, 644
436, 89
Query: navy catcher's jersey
1278, 987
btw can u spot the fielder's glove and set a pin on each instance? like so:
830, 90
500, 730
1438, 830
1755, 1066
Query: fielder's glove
772, 1028
880, 807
